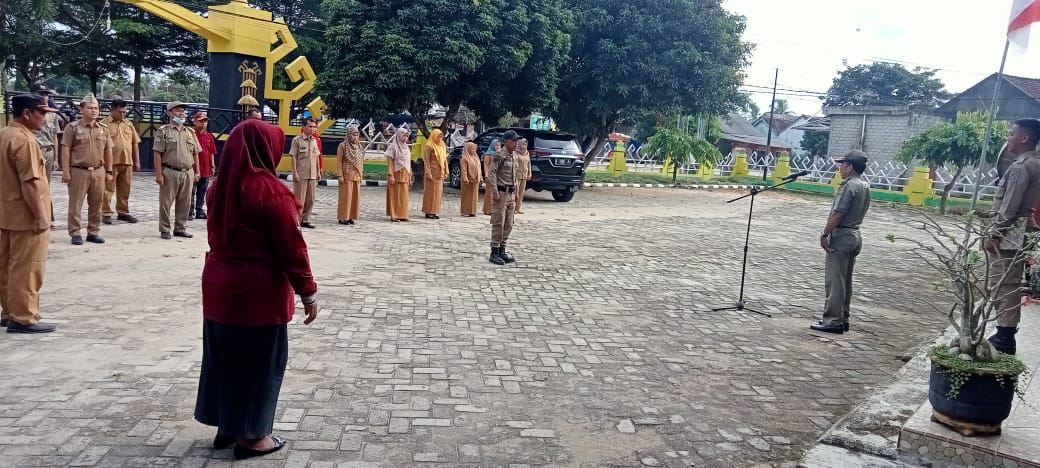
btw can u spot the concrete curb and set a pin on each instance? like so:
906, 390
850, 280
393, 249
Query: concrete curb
679, 186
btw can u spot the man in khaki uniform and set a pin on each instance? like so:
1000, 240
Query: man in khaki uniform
86, 159
47, 135
176, 155
304, 153
126, 158
25, 217
501, 181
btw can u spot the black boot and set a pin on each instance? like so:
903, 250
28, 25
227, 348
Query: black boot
1004, 339
506, 256
496, 256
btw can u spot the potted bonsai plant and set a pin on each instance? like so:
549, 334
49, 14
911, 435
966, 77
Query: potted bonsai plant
972, 385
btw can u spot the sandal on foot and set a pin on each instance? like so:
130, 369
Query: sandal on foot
242, 453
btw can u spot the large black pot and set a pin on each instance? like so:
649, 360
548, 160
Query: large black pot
981, 399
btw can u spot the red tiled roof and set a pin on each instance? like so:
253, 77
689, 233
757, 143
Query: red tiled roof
1030, 86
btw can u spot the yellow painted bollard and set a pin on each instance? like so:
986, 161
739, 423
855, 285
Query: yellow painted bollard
617, 159
420, 143
783, 168
740, 165
705, 170
919, 186
836, 181
668, 166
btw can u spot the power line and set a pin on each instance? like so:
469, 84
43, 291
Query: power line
104, 8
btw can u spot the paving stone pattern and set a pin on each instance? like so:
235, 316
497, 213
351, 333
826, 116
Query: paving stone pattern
597, 348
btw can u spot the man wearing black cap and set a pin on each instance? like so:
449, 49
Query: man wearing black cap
47, 135
842, 242
501, 182
25, 216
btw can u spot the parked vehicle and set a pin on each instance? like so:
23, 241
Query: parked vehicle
557, 162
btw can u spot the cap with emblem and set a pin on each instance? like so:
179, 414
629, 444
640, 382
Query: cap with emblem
510, 135
22, 102
175, 104
41, 88
854, 157
88, 99
201, 115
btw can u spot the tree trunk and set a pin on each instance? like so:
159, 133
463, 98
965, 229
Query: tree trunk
420, 122
675, 172
94, 80
449, 115
594, 150
949, 188
137, 82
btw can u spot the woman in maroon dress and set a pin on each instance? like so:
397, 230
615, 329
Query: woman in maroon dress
257, 261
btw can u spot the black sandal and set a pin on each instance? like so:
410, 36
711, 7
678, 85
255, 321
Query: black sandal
242, 453
221, 442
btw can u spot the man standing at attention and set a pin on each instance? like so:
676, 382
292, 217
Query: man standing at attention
842, 242
207, 162
1016, 196
126, 158
86, 161
304, 153
47, 135
176, 155
25, 216
501, 181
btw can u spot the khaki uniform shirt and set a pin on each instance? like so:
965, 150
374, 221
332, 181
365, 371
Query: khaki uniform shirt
177, 146
87, 144
305, 152
124, 138
48, 135
853, 199
503, 169
21, 160
1019, 190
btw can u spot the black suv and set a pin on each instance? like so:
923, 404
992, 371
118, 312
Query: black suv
557, 163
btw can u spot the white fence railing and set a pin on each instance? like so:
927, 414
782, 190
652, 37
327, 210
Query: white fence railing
887, 175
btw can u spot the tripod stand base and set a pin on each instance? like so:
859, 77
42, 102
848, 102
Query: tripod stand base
741, 307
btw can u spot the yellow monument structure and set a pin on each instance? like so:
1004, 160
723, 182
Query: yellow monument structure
244, 46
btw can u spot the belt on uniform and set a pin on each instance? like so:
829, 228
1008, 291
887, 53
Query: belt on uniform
848, 227
87, 168
507, 188
176, 168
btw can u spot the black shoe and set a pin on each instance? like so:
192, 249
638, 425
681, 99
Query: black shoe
344, 222
15, 327
5, 322
307, 225
506, 256
496, 256
200, 215
127, 218
845, 326
836, 329
95, 239
350, 222
184, 234
191, 217
222, 442
77, 240
106, 219
242, 453
165, 235
1004, 340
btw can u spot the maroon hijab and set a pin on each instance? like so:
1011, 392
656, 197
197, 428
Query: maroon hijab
247, 178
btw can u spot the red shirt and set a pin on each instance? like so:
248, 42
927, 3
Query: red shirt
249, 280
207, 151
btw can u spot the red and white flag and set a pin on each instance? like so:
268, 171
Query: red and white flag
1024, 14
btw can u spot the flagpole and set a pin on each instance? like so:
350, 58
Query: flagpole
989, 127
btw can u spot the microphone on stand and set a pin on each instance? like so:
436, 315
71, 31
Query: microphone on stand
796, 175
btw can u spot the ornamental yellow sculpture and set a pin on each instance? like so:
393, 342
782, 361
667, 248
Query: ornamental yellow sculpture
235, 30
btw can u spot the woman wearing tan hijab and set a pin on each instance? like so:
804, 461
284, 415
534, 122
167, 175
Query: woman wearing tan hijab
492, 149
523, 172
351, 158
435, 167
471, 176
398, 176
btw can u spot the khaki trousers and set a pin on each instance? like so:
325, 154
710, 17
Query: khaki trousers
502, 218
120, 187
845, 247
305, 192
176, 189
1010, 289
89, 185
23, 261
521, 187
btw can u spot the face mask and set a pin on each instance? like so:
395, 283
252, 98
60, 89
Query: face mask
179, 120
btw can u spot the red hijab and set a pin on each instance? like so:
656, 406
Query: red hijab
247, 177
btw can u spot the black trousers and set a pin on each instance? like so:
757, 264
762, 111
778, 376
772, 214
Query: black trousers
198, 196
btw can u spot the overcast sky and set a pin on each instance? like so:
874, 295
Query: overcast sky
809, 39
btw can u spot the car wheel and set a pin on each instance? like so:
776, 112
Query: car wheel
455, 176
563, 195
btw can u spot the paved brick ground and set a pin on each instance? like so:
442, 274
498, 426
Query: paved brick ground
597, 348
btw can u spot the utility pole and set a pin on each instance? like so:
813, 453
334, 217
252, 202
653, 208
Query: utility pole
769, 131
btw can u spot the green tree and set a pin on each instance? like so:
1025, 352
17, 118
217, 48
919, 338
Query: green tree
24, 46
957, 144
680, 147
781, 106
303, 17
144, 42
815, 142
886, 84
629, 60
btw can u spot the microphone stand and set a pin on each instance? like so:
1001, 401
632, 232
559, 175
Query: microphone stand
740, 305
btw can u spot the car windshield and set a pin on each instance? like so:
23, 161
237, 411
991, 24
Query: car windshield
557, 144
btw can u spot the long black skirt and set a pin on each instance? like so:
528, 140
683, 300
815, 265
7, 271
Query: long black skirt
242, 370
